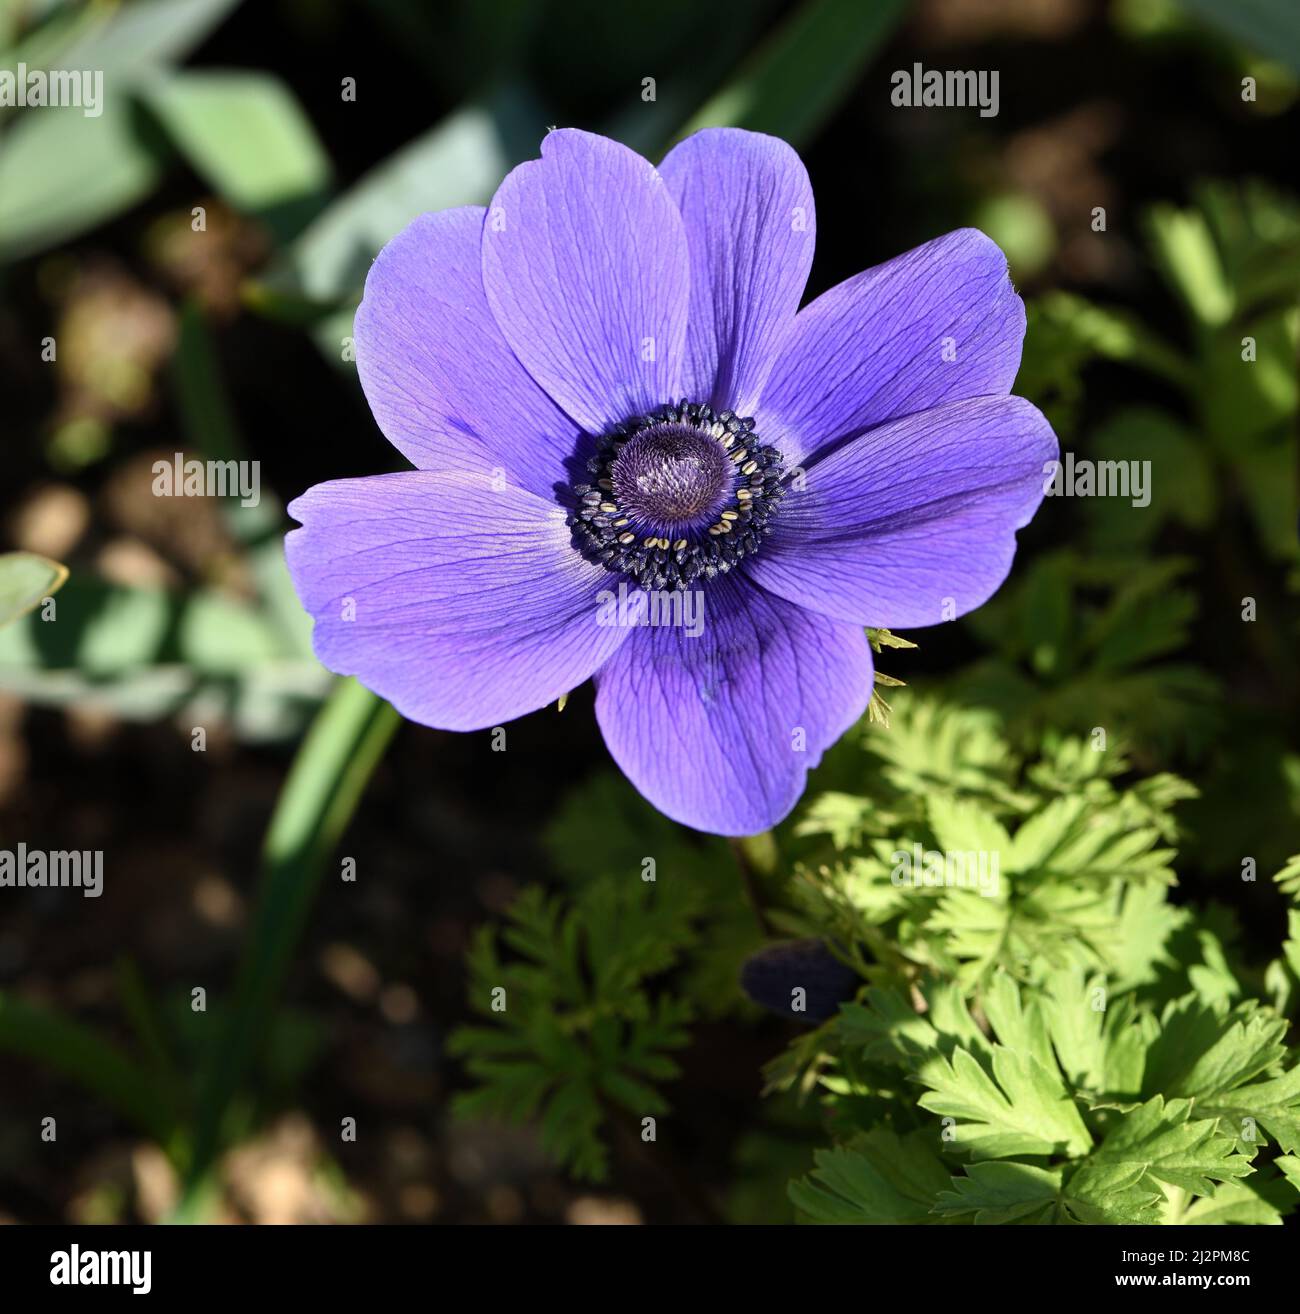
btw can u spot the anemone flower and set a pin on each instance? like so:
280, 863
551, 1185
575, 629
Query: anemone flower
636, 459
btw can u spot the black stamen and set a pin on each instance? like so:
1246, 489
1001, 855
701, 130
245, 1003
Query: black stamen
677, 496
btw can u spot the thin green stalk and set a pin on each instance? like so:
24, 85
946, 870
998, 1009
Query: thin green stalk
756, 857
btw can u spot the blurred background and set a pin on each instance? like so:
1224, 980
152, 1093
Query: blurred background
195, 254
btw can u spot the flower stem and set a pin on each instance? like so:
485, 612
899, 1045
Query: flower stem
756, 857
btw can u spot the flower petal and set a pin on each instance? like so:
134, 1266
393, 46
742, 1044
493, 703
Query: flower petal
914, 522
720, 730
586, 271
937, 324
463, 604
750, 225
443, 385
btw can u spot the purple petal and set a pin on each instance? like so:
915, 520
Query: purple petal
750, 225
940, 323
468, 604
719, 731
912, 523
586, 271
444, 387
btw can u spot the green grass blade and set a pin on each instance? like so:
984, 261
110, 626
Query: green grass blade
793, 83
79, 1052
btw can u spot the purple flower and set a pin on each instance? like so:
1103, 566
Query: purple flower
607, 394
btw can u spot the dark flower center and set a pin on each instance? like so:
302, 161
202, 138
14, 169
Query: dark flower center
677, 496
672, 477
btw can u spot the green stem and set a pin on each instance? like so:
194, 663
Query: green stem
756, 857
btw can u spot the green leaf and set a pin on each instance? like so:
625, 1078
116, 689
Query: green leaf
1065, 332
1083, 837
1257, 230
93, 1062
963, 826
1100, 1193
244, 132
1273, 1105
1046, 616
1070, 851
1101, 1045
62, 173
1205, 1054
1270, 28
881, 1179
1020, 1107
1290, 1168
889, 1030
105, 630
1001, 1193
1091, 680
931, 746
1288, 879
1264, 468
26, 580
1006, 1193
794, 82
1181, 487
1184, 250
459, 162
1234, 1204
606, 829
127, 40
576, 1040
1146, 617
1163, 1140
1213, 979
846, 818
1059, 882
1140, 951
